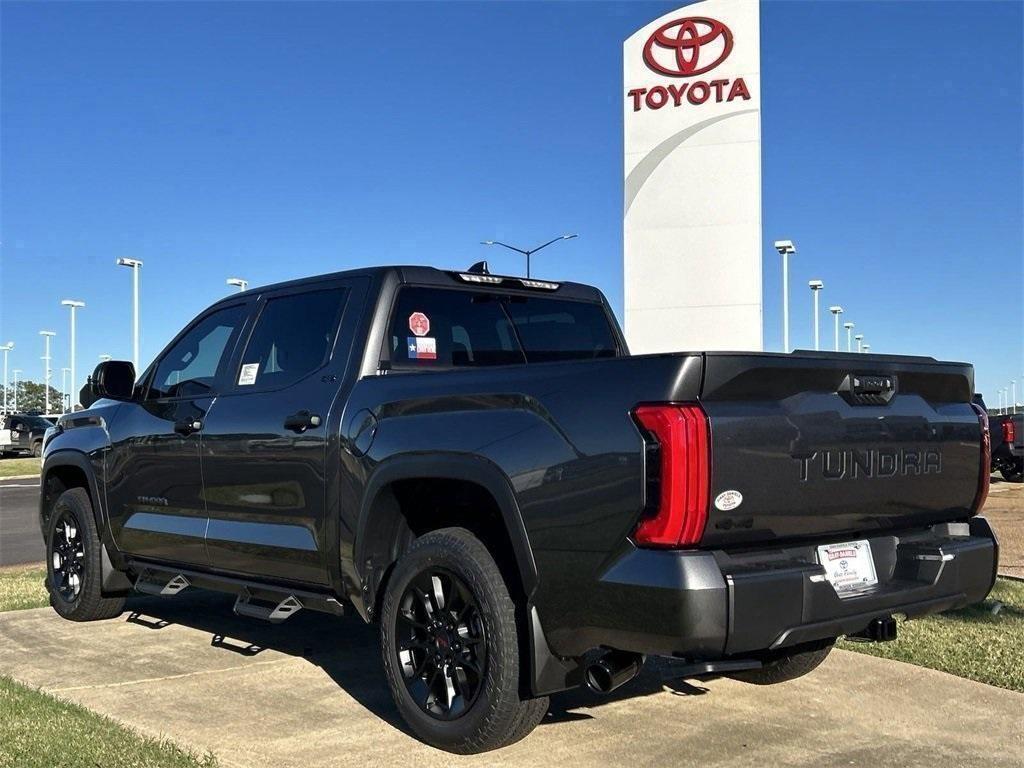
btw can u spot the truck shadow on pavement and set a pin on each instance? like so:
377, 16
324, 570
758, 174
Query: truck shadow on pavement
348, 651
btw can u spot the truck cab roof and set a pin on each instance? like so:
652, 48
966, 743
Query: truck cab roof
421, 275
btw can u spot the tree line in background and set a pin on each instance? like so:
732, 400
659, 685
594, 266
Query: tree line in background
31, 396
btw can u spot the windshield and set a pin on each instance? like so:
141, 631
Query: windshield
36, 422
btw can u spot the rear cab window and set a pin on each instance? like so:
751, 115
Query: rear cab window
441, 328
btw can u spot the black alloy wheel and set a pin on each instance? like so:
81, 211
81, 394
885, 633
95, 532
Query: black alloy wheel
67, 553
441, 644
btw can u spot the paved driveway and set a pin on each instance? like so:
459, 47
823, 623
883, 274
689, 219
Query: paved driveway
20, 539
310, 693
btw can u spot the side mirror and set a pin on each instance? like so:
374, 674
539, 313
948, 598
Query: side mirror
112, 379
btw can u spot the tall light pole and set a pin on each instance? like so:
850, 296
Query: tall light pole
64, 389
105, 358
530, 252
238, 282
849, 337
785, 248
867, 348
815, 286
836, 312
135, 265
1013, 395
47, 335
859, 338
73, 305
5, 349
16, 371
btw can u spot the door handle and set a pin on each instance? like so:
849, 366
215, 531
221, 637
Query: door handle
187, 426
301, 421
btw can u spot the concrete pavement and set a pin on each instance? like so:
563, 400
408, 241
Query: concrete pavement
20, 539
311, 693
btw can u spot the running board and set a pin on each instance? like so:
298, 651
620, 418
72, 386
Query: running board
150, 583
272, 602
275, 614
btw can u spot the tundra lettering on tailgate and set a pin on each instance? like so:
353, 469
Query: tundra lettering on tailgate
852, 463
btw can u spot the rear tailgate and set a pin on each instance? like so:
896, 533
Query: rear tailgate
835, 444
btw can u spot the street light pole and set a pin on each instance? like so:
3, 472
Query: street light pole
135, 265
815, 286
867, 348
16, 371
530, 252
47, 335
785, 248
73, 305
1013, 396
836, 312
5, 349
859, 338
238, 283
64, 389
849, 337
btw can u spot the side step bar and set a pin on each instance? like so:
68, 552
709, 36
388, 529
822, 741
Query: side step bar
151, 583
244, 606
269, 602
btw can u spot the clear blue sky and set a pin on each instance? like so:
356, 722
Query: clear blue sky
277, 140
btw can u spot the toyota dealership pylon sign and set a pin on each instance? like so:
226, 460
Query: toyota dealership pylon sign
691, 104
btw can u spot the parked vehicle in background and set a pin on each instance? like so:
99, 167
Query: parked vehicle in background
21, 434
1008, 446
478, 464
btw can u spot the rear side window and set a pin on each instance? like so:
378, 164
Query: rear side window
554, 329
191, 366
292, 338
437, 328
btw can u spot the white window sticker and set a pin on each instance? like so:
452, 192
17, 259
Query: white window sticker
248, 374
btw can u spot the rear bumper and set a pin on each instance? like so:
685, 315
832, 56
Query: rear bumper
708, 605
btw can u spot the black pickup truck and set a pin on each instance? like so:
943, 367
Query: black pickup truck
1008, 445
478, 464
22, 434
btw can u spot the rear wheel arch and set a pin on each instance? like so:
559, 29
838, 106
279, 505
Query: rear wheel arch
409, 496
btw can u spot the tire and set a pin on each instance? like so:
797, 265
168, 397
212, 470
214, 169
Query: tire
1014, 474
73, 576
446, 600
781, 668
37, 449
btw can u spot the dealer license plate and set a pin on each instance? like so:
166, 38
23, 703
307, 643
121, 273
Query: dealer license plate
848, 566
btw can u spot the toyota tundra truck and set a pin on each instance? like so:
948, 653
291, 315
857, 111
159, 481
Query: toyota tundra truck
476, 463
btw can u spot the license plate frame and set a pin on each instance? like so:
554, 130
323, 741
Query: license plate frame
849, 566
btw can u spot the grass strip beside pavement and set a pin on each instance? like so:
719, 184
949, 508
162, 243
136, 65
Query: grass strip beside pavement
22, 587
41, 731
19, 467
983, 642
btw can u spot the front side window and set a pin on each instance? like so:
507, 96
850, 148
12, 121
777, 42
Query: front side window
192, 365
292, 338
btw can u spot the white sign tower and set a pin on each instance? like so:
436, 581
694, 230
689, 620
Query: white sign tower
692, 207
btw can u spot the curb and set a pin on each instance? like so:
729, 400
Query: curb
18, 477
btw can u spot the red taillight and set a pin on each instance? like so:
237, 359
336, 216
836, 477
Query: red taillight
986, 458
678, 511
1009, 431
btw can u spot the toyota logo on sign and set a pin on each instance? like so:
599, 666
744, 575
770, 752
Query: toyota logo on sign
687, 47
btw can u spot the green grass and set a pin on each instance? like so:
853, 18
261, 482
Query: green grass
16, 467
41, 731
22, 588
973, 642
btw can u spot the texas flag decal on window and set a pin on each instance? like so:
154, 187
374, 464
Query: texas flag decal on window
422, 348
